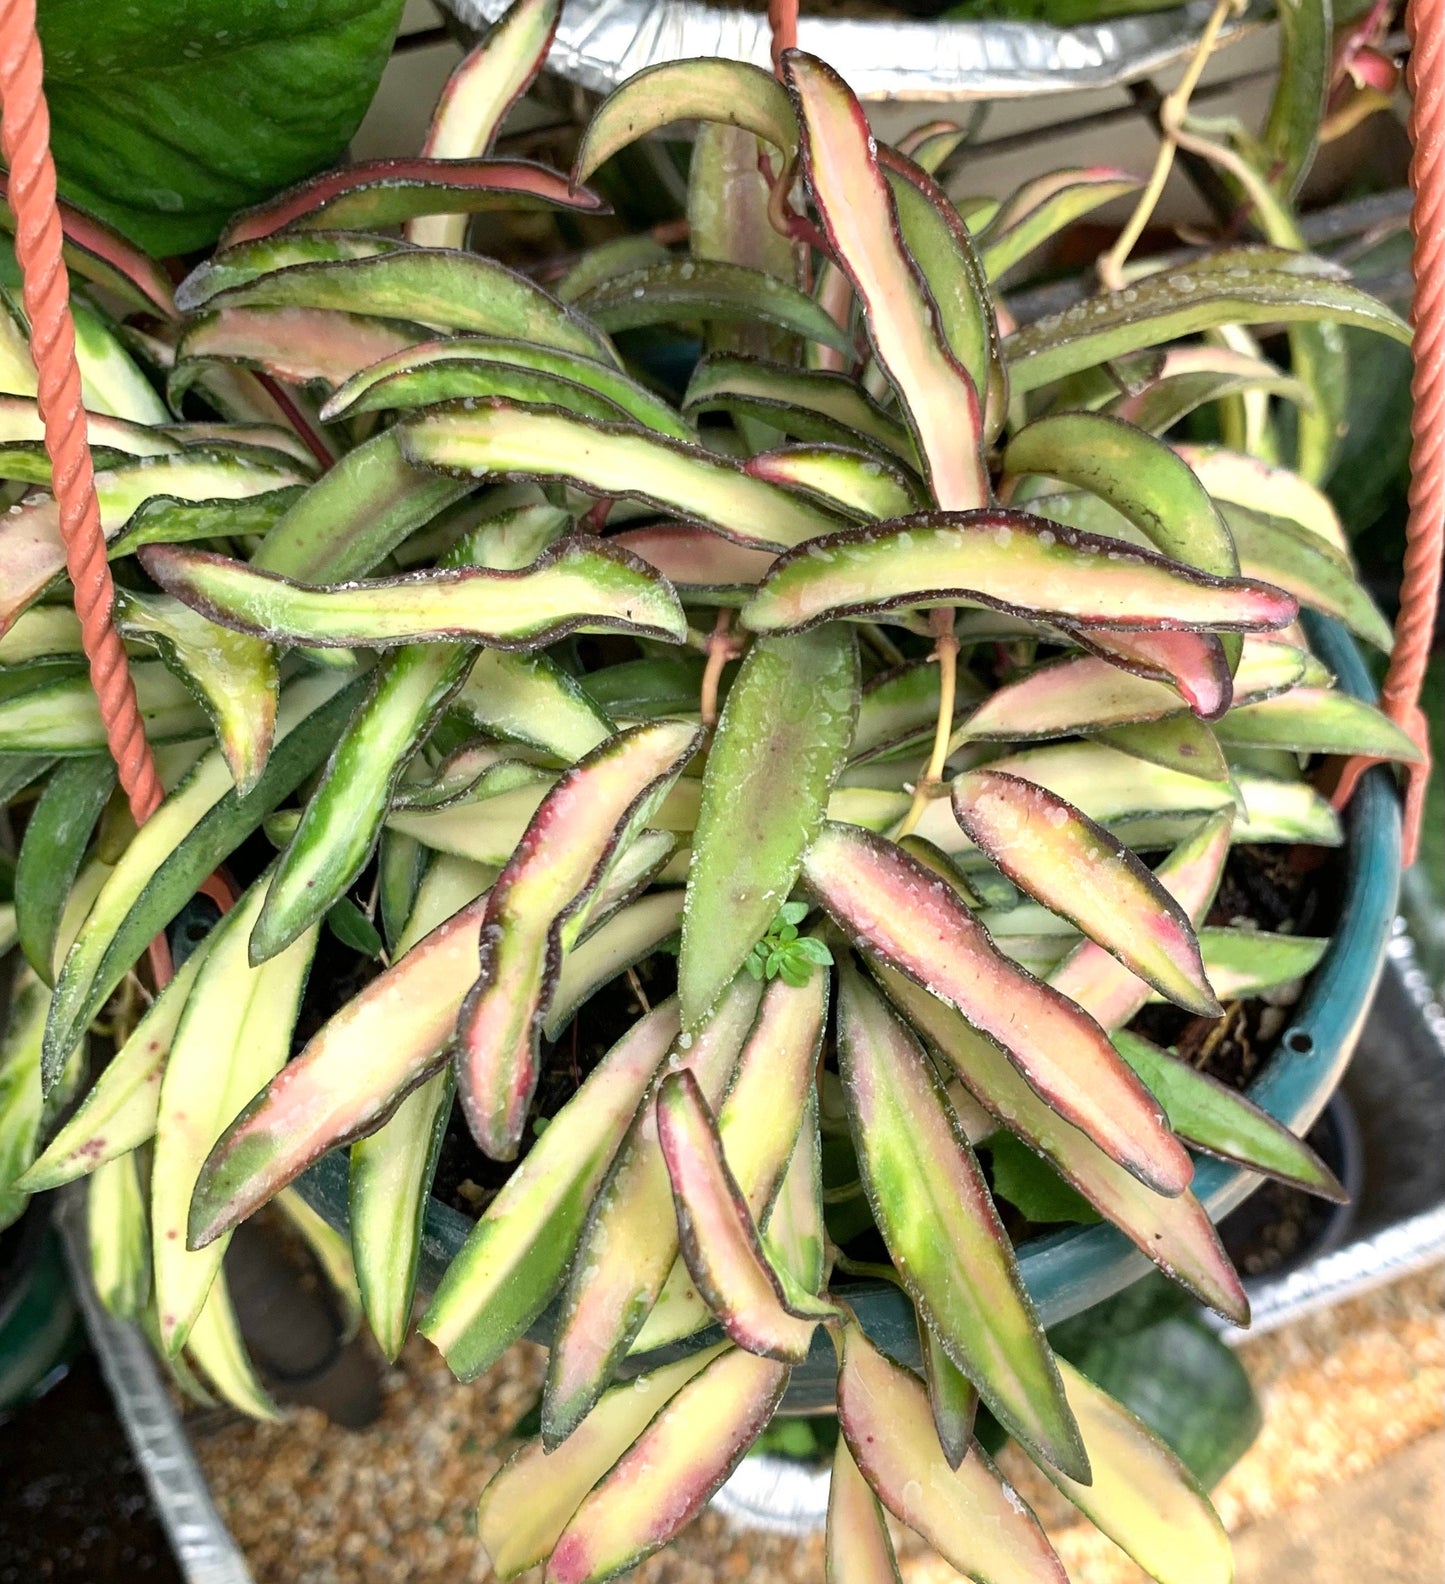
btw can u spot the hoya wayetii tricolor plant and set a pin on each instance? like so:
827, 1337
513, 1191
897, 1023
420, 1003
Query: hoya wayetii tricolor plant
893, 674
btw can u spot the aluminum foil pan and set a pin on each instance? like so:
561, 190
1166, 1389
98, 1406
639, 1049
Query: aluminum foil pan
601, 43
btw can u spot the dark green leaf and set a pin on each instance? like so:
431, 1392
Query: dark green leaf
352, 928
1032, 1186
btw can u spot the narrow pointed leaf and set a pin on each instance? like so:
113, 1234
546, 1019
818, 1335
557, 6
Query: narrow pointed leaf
1043, 207
235, 677
1243, 286
164, 521
1194, 663
462, 366
708, 289
1174, 1232
215, 1344
560, 861
1317, 720
1247, 962
719, 1239
295, 345
529, 699
582, 583
20, 425
759, 1123
702, 566
351, 1076
892, 906
531, 1499
119, 1112
951, 1395
682, 1457
630, 1239
343, 816
22, 1031
1076, 694
861, 223
1063, 859
1007, 560
794, 1236
201, 822
1139, 476
968, 1515
847, 481
1237, 479
1102, 985
514, 1260
234, 1035
60, 715
507, 442
780, 744
56, 837
933, 1207
244, 262
859, 1550
1182, 743
806, 404
1189, 377
1142, 1496
630, 935
1220, 1120
115, 1224
477, 97
727, 91
385, 192
459, 291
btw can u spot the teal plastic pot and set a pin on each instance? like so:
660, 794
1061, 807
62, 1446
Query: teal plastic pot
1081, 1266
39, 1323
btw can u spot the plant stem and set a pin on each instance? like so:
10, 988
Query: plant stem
721, 647
1171, 114
945, 652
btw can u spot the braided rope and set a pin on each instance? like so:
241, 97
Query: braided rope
1425, 530
25, 135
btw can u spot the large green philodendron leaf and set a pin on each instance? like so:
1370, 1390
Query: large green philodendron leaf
166, 118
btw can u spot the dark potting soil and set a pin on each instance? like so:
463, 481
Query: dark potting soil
73, 1506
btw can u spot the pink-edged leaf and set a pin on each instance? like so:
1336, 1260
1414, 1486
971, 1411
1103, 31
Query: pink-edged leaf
859, 1550
532, 1498
1318, 720
718, 1238
1142, 1494
630, 1241
852, 194
697, 561
1041, 208
560, 860
892, 906
968, 1515
1096, 979
758, 1123
295, 345
1007, 560
385, 192
849, 481
490, 80
576, 583
350, 1077
1173, 1231
100, 254
682, 1457
1265, 487
515, 1258
1187, 377
1078, 870
1193, 663
1065, 697
932, 1205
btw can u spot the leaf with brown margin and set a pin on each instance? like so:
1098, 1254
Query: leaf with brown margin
1174, 1232
1007, 560
1142, 1495
515, 1257
1223, 1122
1103, 986
782, 739
848, 481
861, 222
499, 441
933, 1208
1317, 720
1193, 663
892, 906
294, 345
1043, 207
952, 1397
531, 1499
859, 1550
577, 584
1063, 859
759, 1308
630, 1240
682, 1457
1181, 742
968, 1515
558, 863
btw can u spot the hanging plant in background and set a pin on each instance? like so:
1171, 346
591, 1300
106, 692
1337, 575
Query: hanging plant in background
857, 675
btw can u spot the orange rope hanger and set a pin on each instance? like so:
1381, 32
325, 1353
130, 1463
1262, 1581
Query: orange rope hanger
25, 138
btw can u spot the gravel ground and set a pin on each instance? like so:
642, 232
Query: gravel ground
311, 1504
